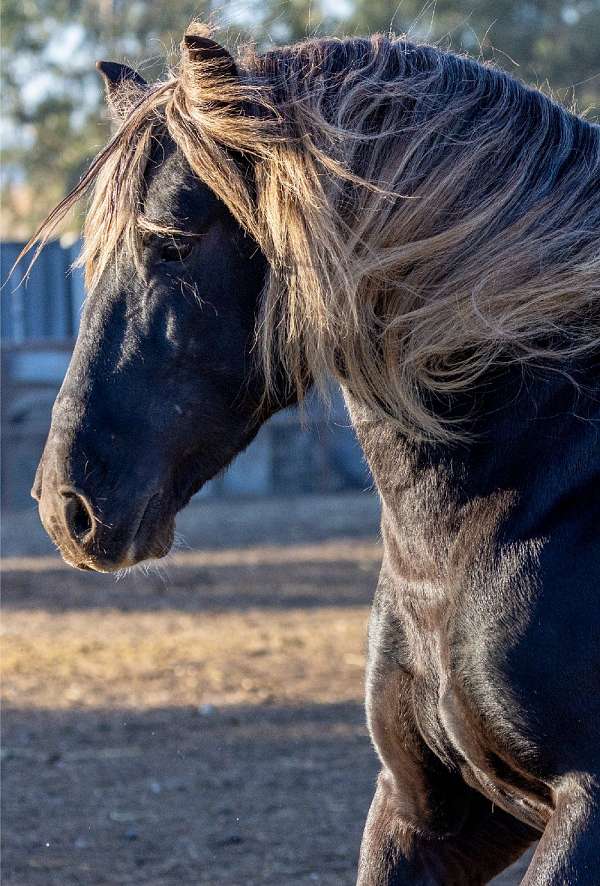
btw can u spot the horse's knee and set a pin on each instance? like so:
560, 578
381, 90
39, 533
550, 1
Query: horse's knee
387, 840
434, 804
398, 852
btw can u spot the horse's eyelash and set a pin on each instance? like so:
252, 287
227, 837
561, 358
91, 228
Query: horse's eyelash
153, 239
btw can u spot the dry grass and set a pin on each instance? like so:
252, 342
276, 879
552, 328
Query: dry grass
162, 659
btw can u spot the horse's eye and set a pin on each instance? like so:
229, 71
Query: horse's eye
175, 250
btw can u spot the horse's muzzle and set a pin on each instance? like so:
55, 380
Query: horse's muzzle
103, 535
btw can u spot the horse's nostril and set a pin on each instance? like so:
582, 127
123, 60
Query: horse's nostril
78, 516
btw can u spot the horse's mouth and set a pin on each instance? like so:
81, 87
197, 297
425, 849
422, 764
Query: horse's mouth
147, 545
117, 545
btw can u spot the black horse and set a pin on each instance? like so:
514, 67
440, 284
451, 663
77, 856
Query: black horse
483, 690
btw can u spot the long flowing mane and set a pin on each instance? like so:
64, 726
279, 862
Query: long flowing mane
424, 216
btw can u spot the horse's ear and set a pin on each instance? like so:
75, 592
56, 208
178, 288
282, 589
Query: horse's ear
124, 87
201, 49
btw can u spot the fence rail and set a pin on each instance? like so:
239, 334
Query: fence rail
48, 304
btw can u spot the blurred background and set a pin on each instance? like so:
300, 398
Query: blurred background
201, 722
53, 118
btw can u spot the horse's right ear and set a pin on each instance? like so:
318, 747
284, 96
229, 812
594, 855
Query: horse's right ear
200, 48
124, 87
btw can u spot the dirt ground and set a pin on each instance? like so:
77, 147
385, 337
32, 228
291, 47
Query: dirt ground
199, 726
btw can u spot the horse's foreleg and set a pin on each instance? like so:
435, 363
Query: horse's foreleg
396, 853
386, 844
568, 853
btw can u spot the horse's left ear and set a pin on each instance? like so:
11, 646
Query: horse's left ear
201, 48
124, 87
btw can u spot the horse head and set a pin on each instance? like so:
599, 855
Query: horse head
162, 390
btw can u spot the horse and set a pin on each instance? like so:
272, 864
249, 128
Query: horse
425, 230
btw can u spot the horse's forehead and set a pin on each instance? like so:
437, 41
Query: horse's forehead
168, 177
174, 195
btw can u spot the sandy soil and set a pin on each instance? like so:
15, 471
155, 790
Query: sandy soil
203, 726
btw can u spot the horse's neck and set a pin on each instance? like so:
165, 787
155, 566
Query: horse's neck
417, 487
534, 443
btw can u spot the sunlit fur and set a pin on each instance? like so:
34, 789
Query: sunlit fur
424, 216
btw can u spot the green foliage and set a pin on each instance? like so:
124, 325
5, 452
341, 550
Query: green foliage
549, 43
53, 113
54, 119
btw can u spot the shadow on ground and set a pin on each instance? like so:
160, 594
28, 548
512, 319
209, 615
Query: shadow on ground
233, 796
341, 574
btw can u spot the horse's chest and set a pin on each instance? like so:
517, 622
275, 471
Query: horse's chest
430, 653
450, 697
450, 690
413, 653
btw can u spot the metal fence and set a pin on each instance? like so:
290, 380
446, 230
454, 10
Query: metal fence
316, 452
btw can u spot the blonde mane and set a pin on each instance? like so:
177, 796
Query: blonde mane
424, 217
